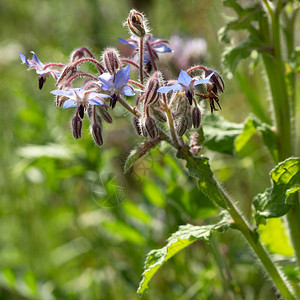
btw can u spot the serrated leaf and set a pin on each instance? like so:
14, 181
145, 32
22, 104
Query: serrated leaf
274, 202
245, 17
253, 125
220, 134
186, 235
199, 167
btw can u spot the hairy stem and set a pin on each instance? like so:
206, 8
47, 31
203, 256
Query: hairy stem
141, 54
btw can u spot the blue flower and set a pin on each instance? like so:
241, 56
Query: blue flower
153, 46
81, 98
42, 70
117, 84
185, 83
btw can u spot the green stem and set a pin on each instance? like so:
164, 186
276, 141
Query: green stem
199, 167
284, 110
141, 52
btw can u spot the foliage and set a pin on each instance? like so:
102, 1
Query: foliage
74, 227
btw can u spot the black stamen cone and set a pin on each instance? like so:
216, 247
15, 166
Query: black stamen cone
81, 111
189, 95
42, 80
113, 100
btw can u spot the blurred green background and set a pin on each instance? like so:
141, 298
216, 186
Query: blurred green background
72, 226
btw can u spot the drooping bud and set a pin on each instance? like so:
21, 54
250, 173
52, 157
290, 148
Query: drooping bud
151, 127
66, 73
196, 117
136, 23
154, 83
111, 60
94, 114
159, 115
136, 124
105, 114
182, 125
96, 132
76, 126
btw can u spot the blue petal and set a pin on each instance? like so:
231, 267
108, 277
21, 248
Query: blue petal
69, 103
204, 80
35, 58
165, 89
106, 80
127, 43
96, 101
66, 93
95, 95
160, 48
122, 77
24, 59
184, 78
127, 91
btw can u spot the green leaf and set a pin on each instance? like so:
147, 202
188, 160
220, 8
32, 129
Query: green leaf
273, 235
233, 54
220, 134
246, 16
274, 202
253, 125
199, 167
186, 235
154, 194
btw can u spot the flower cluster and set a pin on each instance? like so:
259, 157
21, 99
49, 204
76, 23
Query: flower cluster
162, 109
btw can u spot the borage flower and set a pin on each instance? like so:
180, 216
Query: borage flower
153, 46
42, 70
185, 83
117, 84
81, 98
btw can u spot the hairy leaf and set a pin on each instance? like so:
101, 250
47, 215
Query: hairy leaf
233, 54
186, 235
246, 16
199, 167
274, 202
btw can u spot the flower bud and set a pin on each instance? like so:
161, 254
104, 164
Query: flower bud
105, 114
76, 126
182, 126
136, 23
66, 73
196, 117
111, 60
159, 115
154, 83
136, 123
96, 131
151, 127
